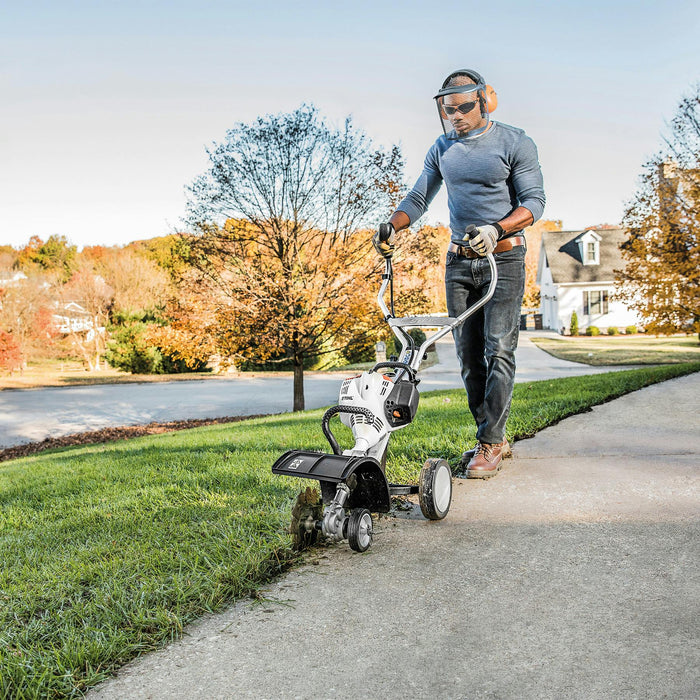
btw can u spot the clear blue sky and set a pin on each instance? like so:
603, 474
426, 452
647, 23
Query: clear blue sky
107, 107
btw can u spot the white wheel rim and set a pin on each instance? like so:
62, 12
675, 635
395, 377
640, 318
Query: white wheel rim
442, 488
364, 534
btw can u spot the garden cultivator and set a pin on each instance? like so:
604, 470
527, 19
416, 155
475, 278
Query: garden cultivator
373, 405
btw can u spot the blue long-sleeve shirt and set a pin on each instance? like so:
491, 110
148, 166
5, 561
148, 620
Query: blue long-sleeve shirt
486, 178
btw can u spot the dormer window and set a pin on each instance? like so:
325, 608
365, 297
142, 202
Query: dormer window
591, 253
589, 244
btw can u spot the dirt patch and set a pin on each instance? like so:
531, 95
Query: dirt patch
112, 434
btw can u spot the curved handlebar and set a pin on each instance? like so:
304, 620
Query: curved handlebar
395, 365
332, 411
388, 279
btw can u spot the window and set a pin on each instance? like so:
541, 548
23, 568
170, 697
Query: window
595, 303
590, 252
589, 248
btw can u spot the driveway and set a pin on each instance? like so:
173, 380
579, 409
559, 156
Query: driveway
30, 415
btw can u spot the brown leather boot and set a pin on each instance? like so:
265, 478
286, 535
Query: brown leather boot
487, 461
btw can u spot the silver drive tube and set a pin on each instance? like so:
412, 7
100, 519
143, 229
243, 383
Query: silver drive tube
382, 289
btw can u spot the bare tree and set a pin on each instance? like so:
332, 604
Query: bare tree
137, 283
92, 293
275, 222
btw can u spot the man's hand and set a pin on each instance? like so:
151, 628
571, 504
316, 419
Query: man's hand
482, 239
383, 240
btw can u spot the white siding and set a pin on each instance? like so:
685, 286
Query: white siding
570, 299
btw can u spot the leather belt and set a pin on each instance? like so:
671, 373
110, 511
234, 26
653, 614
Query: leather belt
502, 246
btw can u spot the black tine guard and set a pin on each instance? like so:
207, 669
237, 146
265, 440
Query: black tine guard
369, 487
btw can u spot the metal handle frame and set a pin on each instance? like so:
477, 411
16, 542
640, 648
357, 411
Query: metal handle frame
409, 355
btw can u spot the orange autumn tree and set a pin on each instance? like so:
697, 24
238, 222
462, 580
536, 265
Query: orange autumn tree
419, 265
661, 276
10, 352
26, 318
197, 328
277, 249
533, 235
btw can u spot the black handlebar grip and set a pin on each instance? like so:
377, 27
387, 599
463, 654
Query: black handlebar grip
385, 231
471, 231
395, 365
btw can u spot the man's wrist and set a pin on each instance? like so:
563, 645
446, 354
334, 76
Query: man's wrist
399, 220
499, 228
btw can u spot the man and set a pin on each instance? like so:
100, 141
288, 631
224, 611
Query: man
494, 189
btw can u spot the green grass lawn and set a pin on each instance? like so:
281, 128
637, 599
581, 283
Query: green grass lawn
109, 550
622, 349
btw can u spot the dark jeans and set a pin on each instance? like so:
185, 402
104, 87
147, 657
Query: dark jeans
487, 340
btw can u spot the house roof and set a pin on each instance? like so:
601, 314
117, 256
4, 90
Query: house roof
564, 255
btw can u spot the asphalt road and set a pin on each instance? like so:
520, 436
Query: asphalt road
30, 415
571, 574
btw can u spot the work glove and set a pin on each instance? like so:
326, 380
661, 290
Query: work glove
383, 240
482, 239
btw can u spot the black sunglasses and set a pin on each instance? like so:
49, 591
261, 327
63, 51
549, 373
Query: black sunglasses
464, 108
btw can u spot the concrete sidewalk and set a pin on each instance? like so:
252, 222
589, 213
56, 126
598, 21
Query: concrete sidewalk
572, 574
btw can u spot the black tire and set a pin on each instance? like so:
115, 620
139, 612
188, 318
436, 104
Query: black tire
435, 489
360, 530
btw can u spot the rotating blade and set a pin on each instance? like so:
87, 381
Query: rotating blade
307, 509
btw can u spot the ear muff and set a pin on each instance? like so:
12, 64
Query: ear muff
491, 99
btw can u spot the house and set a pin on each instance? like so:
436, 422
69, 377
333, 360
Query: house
16, 278
576, 273
71, 317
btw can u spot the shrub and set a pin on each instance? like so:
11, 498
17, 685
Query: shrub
129, 351
573, 328
612, 330
592, 330
359, 350
631, 330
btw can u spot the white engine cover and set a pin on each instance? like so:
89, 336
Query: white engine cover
367, 390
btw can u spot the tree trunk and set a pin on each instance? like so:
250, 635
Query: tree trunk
298, 383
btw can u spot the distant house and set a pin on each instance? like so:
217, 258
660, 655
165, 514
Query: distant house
16, 278
575, 273
71, 317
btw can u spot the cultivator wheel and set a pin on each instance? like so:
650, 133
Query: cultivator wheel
308, 508
435, 489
